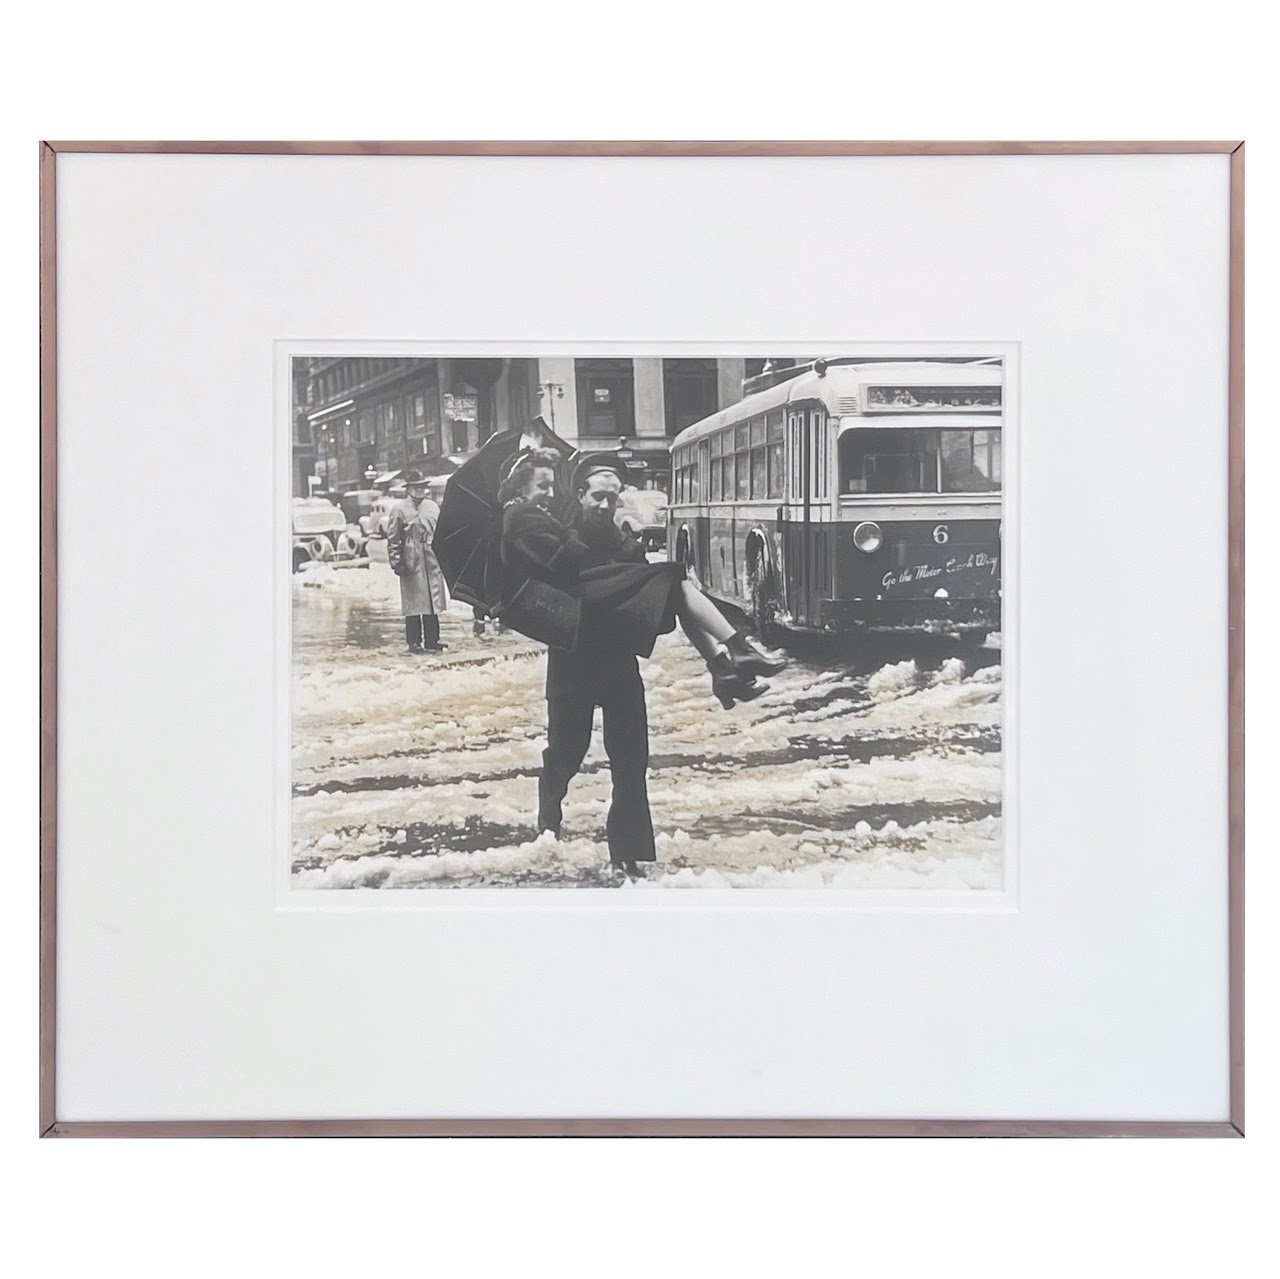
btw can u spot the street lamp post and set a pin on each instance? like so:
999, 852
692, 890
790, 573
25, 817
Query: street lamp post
553, 391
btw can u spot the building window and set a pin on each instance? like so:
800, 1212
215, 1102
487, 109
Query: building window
422, 414
606, 397
690, 392
457, 437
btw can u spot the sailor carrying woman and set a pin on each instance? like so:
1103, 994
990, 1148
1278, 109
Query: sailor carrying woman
556, 589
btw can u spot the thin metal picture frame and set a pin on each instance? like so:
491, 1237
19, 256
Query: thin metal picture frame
51, 1126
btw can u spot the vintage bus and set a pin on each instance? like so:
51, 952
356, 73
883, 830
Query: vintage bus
853, 495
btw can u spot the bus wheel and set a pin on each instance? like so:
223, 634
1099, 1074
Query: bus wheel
684, 554
764, 607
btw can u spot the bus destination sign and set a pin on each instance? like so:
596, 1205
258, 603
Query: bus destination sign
933, 399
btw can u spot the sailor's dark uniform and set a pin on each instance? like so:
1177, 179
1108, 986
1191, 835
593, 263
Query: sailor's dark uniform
625, 604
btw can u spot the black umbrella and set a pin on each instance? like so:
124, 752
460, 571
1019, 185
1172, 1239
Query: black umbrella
469, 532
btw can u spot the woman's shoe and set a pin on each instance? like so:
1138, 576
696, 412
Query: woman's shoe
737, 688
750, 657
728, 685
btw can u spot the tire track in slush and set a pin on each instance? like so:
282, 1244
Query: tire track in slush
852, 748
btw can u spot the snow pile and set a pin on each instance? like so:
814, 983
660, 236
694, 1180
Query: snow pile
421, 772
893, 681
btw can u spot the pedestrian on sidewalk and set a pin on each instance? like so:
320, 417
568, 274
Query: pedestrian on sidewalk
423, 597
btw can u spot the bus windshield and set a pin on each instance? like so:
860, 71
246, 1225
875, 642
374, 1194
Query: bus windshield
894, 460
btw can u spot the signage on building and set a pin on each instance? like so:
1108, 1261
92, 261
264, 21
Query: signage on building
462, 408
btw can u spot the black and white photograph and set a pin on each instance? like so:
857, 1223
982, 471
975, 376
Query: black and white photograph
642, 622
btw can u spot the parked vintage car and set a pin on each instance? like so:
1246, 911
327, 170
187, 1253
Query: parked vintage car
643, 514
322, 533
358, 506
374, 523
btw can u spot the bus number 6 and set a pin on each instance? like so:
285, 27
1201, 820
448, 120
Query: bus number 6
940, 534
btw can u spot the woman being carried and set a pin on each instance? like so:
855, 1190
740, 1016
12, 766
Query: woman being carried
551, 587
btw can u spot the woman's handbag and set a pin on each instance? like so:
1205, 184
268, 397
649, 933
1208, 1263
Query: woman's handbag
544, 613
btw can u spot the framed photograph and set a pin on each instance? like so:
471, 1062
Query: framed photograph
665, 638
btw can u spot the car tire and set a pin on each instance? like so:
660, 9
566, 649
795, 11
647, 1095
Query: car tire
684, 554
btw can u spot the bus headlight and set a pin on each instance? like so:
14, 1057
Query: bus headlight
867, 536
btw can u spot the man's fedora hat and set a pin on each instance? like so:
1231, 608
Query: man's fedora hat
413, 479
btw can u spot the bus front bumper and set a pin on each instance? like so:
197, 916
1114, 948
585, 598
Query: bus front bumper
930, 615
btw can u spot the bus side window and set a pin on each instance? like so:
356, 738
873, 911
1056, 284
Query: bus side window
716, 490
818, 438
742, 461
794, 436
759, 463
774, 445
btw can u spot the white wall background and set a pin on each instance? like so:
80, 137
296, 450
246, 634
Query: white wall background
1110, 69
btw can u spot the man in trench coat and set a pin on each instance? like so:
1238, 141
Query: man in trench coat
410, 530
607, 676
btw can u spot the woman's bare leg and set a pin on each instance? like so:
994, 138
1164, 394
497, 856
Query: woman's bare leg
701, 621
